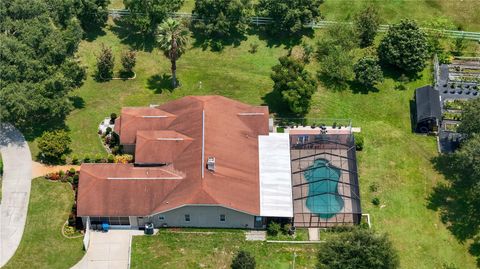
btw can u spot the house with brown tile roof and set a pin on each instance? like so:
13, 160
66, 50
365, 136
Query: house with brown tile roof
196, 164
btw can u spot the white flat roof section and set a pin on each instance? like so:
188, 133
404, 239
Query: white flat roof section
275, 175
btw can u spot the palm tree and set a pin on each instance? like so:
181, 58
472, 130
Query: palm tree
172, 39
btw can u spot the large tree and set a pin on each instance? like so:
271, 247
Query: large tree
470, 118
145, 15
222, 18
37, 67
366, 25
92, 13
360, 249
289, 16
368, 72
294, 83
172, 39
405, 47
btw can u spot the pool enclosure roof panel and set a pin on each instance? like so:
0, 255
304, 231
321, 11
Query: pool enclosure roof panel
275, 175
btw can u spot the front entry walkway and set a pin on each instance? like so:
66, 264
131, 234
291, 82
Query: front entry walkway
110, 250
16, 183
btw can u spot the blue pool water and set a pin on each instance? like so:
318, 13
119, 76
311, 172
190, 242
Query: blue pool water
324, 198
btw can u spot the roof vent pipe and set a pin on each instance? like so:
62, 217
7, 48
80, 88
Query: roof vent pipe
211, 164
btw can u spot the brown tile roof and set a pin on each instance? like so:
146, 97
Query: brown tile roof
228, 130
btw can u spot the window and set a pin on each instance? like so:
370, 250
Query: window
222, 217
187, 217
161, 217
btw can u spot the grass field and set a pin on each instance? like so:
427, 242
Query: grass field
464, 13
43, 245
175, 250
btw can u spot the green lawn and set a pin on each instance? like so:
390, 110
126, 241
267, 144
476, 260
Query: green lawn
175, 250
465, 13
43, 245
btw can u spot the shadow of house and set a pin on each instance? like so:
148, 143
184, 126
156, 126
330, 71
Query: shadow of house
427, 110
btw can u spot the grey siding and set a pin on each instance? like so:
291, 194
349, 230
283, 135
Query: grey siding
204, 216
128, 148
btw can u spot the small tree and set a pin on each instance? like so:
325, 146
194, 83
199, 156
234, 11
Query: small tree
243, 260
366, 25
360, 249
405, 46
368, 72
105, 63
129, 59
274, 228
294, 83
53, 145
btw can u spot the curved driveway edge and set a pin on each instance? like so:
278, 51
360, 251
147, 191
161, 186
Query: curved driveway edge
16, 183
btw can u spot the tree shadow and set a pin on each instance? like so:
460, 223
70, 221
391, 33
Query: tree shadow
358, 88
398, 75
36, 128
93, 33
277, 40
77, 101
216, 43
160, 83
331, 83
276, 105
129, 36
413, 115
449, 199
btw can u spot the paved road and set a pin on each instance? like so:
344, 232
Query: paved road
17, 175
110, 250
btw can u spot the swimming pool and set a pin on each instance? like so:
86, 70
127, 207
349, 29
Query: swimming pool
324, 198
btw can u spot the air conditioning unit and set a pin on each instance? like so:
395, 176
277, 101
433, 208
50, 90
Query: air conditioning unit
211, 164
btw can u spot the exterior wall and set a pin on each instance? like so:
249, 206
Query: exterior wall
128, 148
204, 216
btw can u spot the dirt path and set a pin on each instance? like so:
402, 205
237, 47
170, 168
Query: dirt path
40, 169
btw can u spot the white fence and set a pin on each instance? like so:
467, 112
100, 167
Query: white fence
315, 24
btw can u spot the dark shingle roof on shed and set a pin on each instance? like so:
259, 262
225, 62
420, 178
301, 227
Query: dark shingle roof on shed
427, 100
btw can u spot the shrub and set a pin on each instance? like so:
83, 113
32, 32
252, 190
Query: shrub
359, 142
53, 145
110, 158
273, 228
125, 158
72, 171
373, 187
253, 47
1, 167
243, 260
74, 159
86, 159
286, 228
99, 158
114, 139
113, 117
108, 130
105, 63
360, 249
368, 72
376, 201
128, 60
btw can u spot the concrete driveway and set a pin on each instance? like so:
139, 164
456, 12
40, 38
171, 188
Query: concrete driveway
110, 250
16, 183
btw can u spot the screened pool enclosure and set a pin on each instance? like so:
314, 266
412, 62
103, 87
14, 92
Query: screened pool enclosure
324, 180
